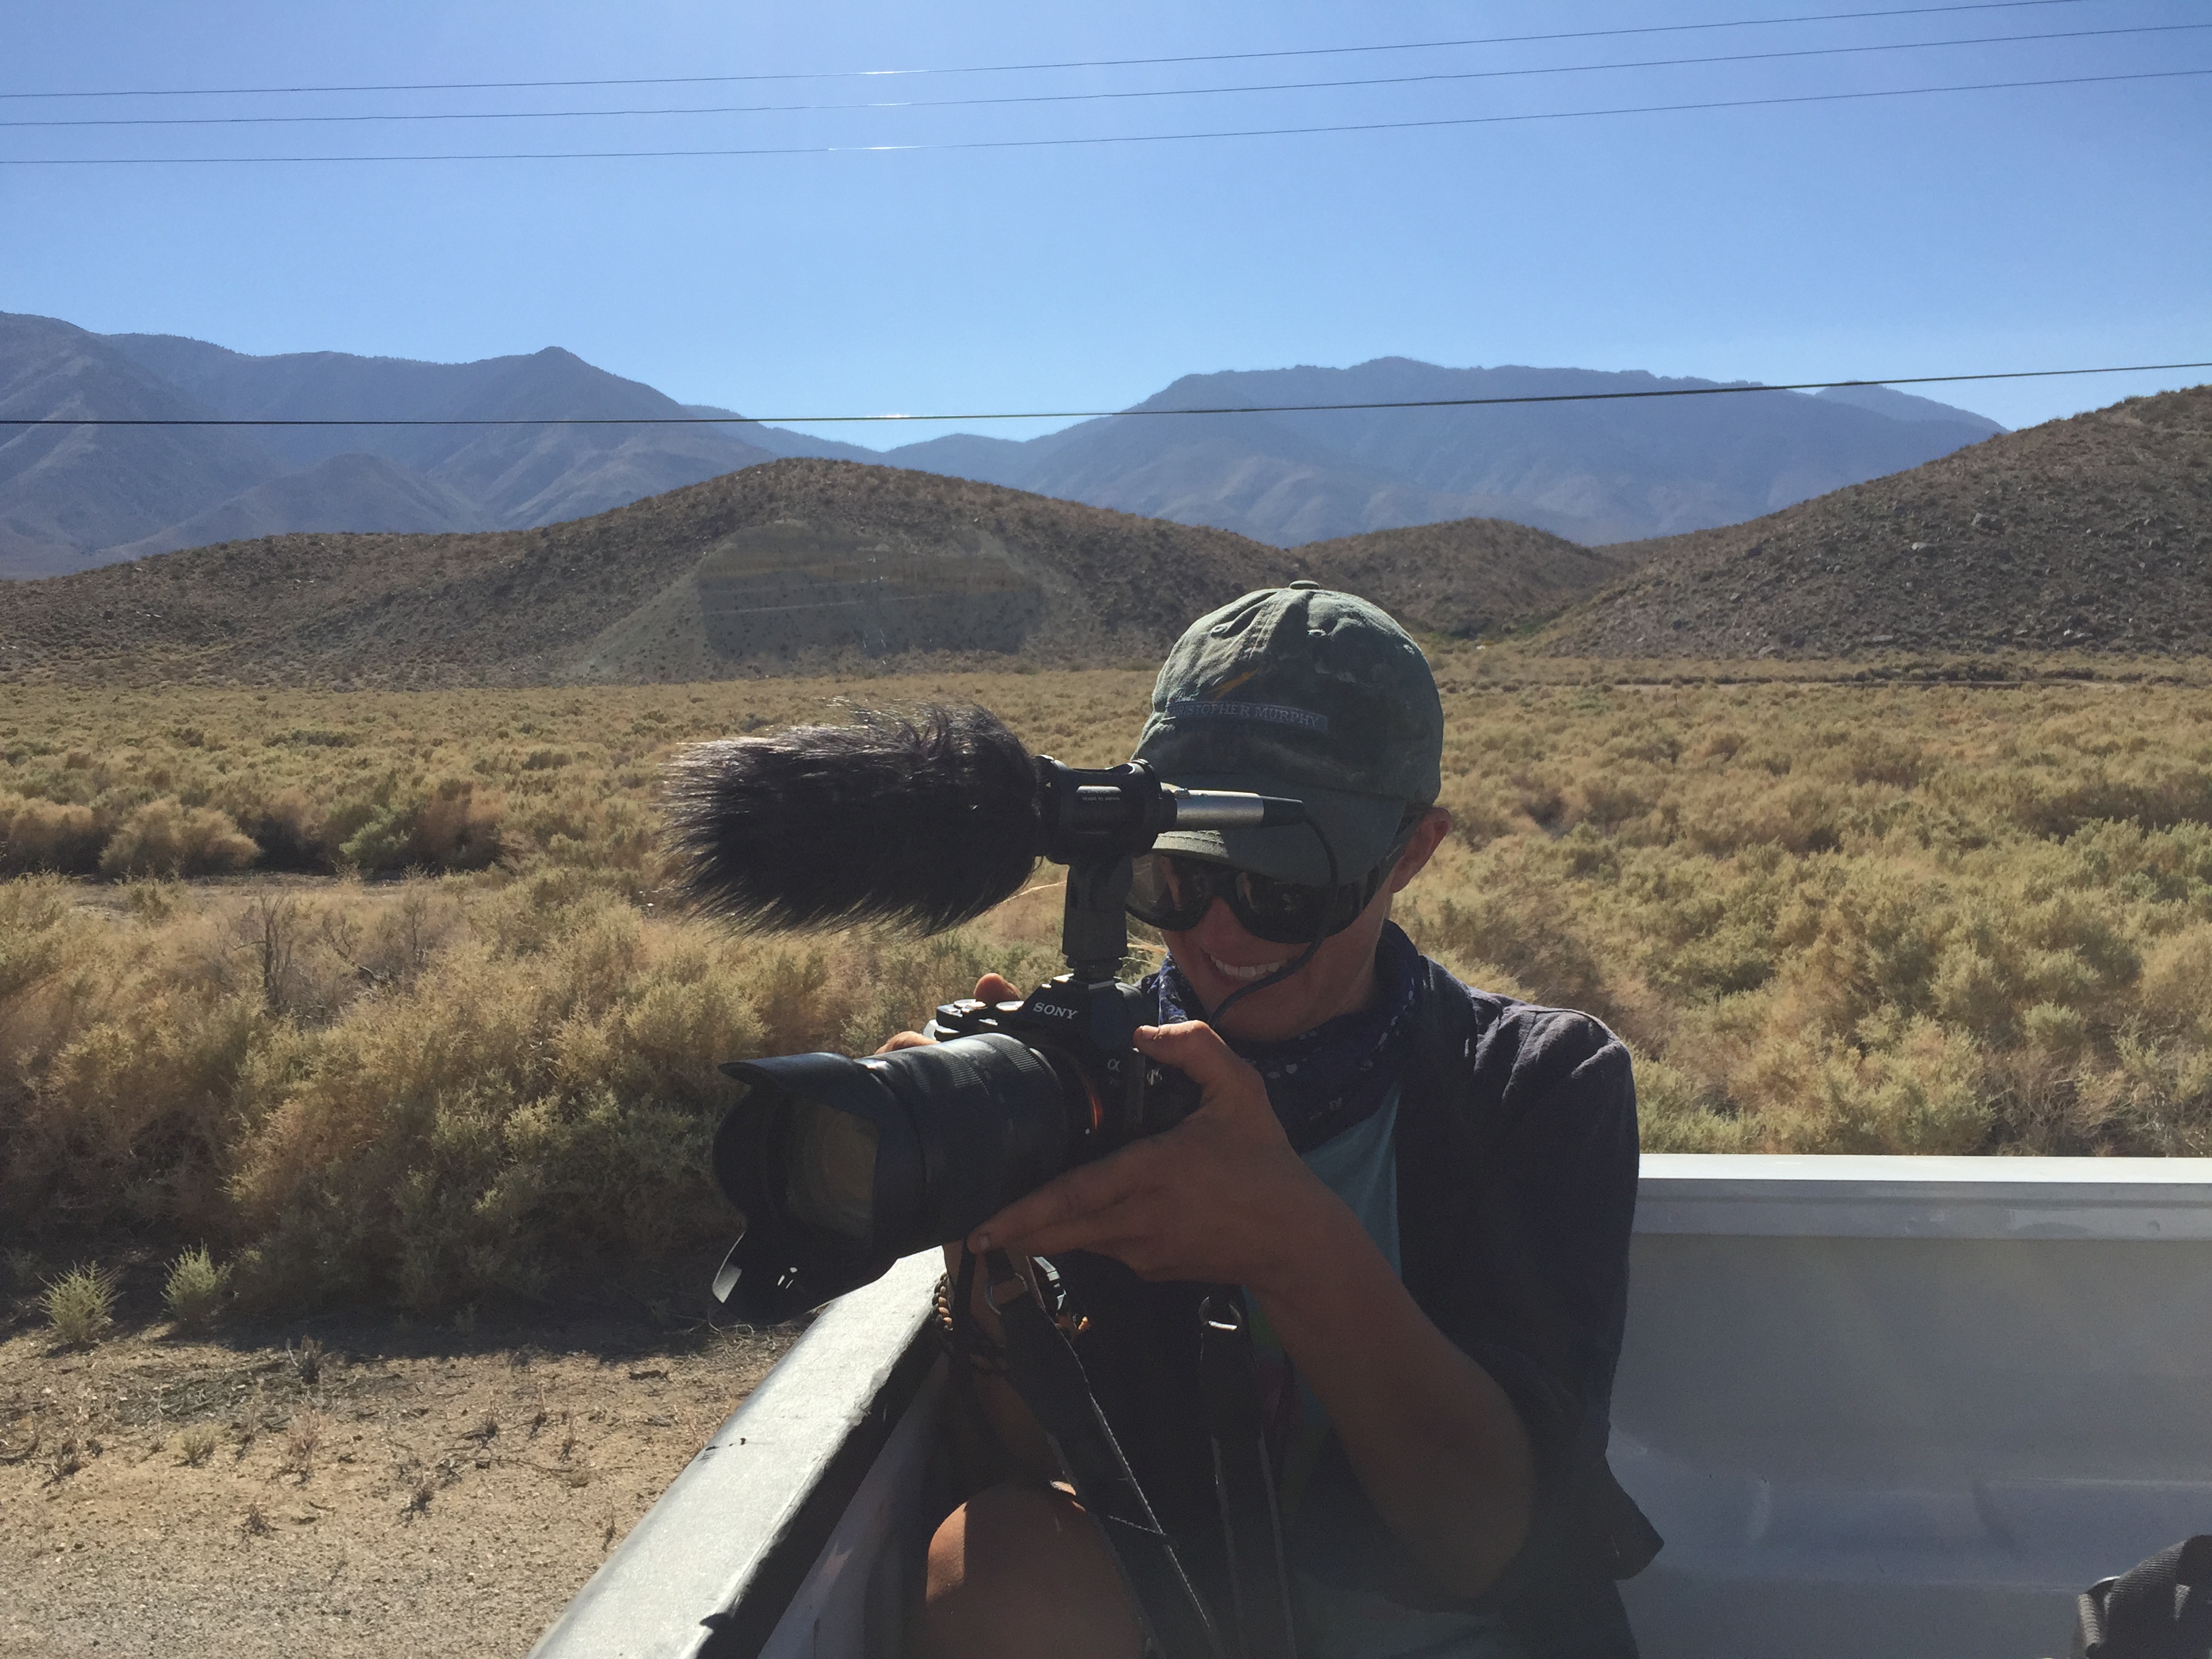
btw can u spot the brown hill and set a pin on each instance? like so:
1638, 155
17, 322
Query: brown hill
797, 563
2092, 534
1465, 577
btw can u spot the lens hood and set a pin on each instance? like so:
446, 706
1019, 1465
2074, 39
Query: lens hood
840, 1166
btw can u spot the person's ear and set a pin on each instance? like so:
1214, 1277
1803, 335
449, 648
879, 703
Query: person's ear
1420, 846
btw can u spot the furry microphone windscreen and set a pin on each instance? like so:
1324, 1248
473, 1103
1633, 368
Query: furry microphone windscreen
921, 824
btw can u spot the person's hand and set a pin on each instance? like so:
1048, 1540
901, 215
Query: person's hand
1219, 1198
990, 989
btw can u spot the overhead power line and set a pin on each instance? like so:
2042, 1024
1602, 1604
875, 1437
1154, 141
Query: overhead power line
1091, 97
1102, 138
1075, 63
1100, 413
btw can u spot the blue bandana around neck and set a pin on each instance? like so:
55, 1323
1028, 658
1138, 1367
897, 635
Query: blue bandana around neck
1341, 1071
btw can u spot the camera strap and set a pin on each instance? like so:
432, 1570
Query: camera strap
1045, 1371
1243, 1477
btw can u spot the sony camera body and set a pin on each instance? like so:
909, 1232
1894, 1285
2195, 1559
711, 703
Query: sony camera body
1089, 1028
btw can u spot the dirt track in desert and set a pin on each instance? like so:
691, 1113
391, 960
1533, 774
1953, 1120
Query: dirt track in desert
418, 1492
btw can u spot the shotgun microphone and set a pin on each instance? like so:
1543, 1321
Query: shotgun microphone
917, 823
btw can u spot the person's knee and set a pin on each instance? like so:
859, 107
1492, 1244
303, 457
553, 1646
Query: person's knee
1020, 1570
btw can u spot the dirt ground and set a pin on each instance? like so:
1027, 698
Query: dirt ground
344, 1488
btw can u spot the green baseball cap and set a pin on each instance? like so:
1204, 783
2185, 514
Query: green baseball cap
1305, 692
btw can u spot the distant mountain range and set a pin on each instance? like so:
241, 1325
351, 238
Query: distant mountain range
1593, 472
75, 496
2093, 534
72, 497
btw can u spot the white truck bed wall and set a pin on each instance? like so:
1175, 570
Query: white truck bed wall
1909, 1406
791, 1517
1893, 1406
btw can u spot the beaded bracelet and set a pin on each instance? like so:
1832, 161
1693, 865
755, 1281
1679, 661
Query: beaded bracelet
987, 1355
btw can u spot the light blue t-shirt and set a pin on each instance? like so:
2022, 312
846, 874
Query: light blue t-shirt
1360, 1166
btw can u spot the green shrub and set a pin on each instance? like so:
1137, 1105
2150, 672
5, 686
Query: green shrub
81, 1304
452, 827
383, 842
195, 1287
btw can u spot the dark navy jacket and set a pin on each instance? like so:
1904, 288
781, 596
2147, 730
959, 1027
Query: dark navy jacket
1517, 1164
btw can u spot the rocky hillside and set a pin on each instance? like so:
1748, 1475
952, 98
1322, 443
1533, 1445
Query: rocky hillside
1468, 577
2092, 534
801, 564
793, 564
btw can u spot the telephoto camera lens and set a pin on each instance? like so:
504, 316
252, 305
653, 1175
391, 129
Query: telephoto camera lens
842, 1166
845, 1165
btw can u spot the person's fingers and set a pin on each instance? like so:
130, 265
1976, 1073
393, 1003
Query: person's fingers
905, 1040
994, 987
1065, 1202
1196, 1050
1100, 1232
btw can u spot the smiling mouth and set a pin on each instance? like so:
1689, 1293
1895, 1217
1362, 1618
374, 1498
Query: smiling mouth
1230, 970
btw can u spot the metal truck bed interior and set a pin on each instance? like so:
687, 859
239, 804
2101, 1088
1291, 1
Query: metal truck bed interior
1902, 1406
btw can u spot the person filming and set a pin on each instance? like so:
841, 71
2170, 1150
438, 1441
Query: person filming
1423, 1190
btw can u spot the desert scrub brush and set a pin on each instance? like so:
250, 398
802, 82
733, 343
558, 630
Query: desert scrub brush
195, 1287
82, 1305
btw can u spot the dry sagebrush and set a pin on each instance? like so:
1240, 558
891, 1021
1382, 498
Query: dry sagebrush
1921, 920
426, 1108
1911, 919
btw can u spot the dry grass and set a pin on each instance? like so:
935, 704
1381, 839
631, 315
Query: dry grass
1829, 918
303, 1439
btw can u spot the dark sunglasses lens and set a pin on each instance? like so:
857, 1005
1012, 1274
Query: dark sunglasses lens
1174, 893
1282, 911
1165, 892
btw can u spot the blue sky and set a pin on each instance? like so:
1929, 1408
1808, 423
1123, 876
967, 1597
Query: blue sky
2024, 229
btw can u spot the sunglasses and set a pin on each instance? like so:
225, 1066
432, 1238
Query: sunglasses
1173, 893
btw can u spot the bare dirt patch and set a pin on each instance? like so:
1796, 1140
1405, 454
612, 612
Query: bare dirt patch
358, 1487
